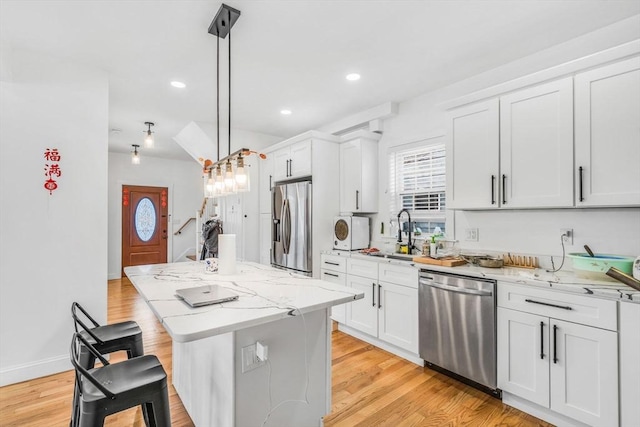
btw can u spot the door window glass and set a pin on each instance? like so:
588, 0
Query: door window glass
145, 219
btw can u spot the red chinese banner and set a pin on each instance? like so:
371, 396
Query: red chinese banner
125, 197
163, 198
52, 169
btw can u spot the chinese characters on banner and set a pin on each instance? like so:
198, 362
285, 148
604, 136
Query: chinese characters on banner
51, 169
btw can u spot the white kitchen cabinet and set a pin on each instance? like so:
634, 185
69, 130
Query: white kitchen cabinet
389, 310
472, 147
265, 238
629, 366
563, 366
293, 161
266, 183
398, 315
607, 144
359, 174
536, 146
333, 269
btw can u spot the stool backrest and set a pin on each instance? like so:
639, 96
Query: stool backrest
77, 341
78, 322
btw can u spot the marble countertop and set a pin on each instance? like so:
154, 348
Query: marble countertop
563, 280
266, 294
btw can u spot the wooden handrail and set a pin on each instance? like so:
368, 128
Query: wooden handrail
184, 225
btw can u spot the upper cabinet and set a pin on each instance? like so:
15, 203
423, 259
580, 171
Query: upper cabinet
359, 174
472, 147
607, 123
519, 151
536, 146
293, 161
266, 183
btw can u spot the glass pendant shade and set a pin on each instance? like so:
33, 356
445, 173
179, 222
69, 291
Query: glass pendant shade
242, 178
148, 139
135, 156
219, 181
209, 185
229, 179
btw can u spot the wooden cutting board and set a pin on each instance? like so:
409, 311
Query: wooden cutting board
445, 262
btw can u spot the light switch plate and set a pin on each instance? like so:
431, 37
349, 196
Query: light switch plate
471, 234
250, 359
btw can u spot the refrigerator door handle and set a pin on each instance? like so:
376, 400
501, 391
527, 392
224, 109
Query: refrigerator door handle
286, 227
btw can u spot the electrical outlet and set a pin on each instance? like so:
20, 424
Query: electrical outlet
471, 234
250, 359
567, 235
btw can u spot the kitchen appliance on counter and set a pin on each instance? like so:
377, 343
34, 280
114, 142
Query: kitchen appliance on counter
457, 327
291, 228
350, 233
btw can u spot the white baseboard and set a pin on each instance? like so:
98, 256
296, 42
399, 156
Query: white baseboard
538, 411
29, 371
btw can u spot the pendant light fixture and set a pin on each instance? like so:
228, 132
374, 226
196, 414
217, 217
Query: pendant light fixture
135, 156
225, 180
148, 135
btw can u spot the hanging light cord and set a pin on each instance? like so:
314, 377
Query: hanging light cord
229, 136
218, 95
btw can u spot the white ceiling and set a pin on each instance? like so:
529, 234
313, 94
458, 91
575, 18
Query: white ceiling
288, 54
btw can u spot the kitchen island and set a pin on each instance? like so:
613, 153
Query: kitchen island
214, 345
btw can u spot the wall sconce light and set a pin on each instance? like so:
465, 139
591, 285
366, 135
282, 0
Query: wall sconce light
148, 135
135, 156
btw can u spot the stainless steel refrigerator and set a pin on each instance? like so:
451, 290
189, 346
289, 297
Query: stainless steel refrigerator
291, 228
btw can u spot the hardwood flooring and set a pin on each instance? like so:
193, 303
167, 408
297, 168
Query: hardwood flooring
370, 386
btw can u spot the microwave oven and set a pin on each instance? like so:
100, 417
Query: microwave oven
350, 233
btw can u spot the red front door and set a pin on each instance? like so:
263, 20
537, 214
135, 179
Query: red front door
144, 225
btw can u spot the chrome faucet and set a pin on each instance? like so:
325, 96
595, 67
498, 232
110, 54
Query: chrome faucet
410, 246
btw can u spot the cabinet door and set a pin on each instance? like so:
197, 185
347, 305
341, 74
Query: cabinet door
281, 160
472, 156
338, 312
362, 268
523, 355
398, 315
363, 313
536, 146
608, 135
266, 183
350, 176
265, 239
300, 160
584, 373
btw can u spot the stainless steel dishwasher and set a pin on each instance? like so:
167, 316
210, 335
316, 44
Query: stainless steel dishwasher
457, 327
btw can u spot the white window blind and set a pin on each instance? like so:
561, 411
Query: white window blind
417, 179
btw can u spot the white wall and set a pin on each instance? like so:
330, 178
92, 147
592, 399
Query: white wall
53, 248
184, 181
528, 232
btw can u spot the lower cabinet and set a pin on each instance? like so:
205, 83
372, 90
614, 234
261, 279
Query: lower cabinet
388, 311
333, 270
569, 368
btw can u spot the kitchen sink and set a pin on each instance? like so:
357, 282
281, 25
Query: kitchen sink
399, 257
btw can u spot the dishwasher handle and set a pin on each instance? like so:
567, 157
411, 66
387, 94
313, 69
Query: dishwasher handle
456, 289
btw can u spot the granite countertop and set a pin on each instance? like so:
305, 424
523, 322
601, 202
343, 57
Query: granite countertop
564, 280
266, 294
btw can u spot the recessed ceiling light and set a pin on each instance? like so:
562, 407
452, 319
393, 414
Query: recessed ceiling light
285, 112
353, 77
178, 84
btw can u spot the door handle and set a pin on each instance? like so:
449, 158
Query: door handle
555, 344
379, 300
456, 289
580, 170
493, 189
541, 340
373, 294
286, 227
504, 189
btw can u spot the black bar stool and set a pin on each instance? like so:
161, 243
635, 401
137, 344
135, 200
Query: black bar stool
115, 387
123, 336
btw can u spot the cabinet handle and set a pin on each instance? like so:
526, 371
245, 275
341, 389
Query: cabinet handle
290, 167
541, 340
373, 294
357, 196
270, 182
564, 307
555, 344
580, 169
493, 189
379, 300
504, 189
330, 274
331, 263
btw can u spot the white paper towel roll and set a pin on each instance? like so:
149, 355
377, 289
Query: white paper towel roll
226, 254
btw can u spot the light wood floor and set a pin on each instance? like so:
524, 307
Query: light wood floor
370, 386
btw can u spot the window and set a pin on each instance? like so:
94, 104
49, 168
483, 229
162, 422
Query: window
417, 182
